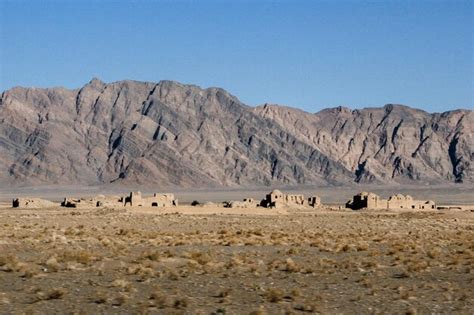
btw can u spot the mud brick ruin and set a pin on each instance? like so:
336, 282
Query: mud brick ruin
277, 199
135, 199
368, 200
246, 203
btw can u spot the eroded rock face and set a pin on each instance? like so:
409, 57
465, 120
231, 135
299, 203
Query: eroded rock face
393, 143
172, 134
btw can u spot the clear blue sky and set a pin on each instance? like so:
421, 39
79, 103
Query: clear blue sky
307, 54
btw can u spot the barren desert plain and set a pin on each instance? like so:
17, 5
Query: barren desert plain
208, 259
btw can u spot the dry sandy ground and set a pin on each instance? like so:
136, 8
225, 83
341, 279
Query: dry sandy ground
220, 261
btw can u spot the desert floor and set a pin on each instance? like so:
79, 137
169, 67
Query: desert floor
209, 260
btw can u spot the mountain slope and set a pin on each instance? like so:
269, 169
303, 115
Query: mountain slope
393, 143
169, 134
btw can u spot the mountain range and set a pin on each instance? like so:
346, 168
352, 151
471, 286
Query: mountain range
169, 134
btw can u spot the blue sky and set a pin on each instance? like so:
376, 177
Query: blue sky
306, 54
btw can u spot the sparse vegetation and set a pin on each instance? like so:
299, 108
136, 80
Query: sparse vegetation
326, 263
274, 295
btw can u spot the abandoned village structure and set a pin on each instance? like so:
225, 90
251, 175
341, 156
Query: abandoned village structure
277, 199
134, 199
368, 200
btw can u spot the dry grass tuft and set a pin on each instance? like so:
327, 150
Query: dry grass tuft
159, 299
9, 263
119, 300
180, 303
152, 255
305, 307
291, 266
274, 295
81, 256
123, 285
100, 297
52, 264
201, 258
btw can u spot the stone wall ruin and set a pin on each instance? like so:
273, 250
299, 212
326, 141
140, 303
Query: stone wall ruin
368, 200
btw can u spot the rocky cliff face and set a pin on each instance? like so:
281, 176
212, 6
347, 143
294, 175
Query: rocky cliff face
170, 134
393, 143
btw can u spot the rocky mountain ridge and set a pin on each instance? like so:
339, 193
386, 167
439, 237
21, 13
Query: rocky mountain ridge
170, 134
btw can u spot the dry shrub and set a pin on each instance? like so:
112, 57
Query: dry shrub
417, 266
180, 302
327, 263
274, 295
292, 251
403, 293
81, 256
105, 241
119, 300
173, 274
152, 255
257, 232
200, 257
362, 247
209, 268
6, 259
9, 263
222, 293
365, 282
295, 292
142, 271
70, 231
26, 271
411, 311
100, 297
291, 266
344, 248
305, 307
433, 253
234, 262
127, 232
123, 285
369, 264
159, 299
52, 264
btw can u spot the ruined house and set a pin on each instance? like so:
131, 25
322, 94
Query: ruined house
135, 199
400, 201
277, 199
246, 203
97, 201
314, 201
77, 203
368, 200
